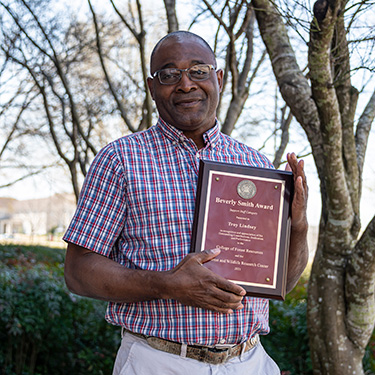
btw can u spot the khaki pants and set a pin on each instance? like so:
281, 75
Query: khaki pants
136, 357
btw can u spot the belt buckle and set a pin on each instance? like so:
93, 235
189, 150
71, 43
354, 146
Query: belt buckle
209, 355
224, 346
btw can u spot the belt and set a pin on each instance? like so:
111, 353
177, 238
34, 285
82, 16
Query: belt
213, 355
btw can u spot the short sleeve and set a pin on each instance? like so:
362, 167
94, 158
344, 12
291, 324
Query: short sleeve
101, 208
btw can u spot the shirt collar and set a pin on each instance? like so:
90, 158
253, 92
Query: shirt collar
210, 137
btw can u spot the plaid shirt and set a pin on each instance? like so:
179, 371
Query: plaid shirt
137, 206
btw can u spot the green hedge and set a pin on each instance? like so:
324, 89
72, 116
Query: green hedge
287, 342
44, 329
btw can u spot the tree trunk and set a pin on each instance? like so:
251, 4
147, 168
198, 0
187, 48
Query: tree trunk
332, 351
341, 308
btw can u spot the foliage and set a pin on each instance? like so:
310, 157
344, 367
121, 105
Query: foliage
288, 342
369, 357
48, 330
17, 255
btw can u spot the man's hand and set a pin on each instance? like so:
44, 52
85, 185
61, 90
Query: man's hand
193, 284
299, 205
298, 251
90, 274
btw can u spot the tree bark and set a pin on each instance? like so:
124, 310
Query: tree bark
170, 9
294, 86
341, 290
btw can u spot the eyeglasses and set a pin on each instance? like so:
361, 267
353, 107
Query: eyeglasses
171, 76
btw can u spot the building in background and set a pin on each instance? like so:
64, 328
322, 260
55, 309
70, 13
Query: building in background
36, 216
51, 216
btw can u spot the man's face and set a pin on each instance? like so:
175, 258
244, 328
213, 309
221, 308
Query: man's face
187, 105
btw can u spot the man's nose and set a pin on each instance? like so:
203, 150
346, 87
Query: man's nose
186, 84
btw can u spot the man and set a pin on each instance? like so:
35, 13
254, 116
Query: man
129, 240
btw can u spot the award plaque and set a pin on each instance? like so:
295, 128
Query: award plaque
245, 212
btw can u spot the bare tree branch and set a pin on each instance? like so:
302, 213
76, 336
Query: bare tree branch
120, 106
360, 288
363, 130
26, 176
146, 120
347, 97
170, 8
14, 127
60, 72
284, 139
237, 67
219, 19
294, 86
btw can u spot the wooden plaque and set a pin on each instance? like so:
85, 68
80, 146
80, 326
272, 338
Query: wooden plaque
245, 212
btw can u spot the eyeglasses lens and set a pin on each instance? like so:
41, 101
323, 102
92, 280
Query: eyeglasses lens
196, 73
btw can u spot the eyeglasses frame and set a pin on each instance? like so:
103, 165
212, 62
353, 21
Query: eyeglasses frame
156, 74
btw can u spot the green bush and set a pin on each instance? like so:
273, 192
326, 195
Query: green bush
44, 329
287, 342
369, 358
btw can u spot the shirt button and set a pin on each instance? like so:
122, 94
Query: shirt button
181, 139
222, 341
198, 156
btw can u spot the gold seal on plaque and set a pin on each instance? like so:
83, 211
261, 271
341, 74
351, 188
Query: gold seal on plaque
246, 189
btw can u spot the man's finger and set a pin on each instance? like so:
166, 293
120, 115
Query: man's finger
207, 255
230, 287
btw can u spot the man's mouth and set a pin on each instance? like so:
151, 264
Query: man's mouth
187, 102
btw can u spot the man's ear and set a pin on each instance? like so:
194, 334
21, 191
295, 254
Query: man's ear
220, 75
150, 82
